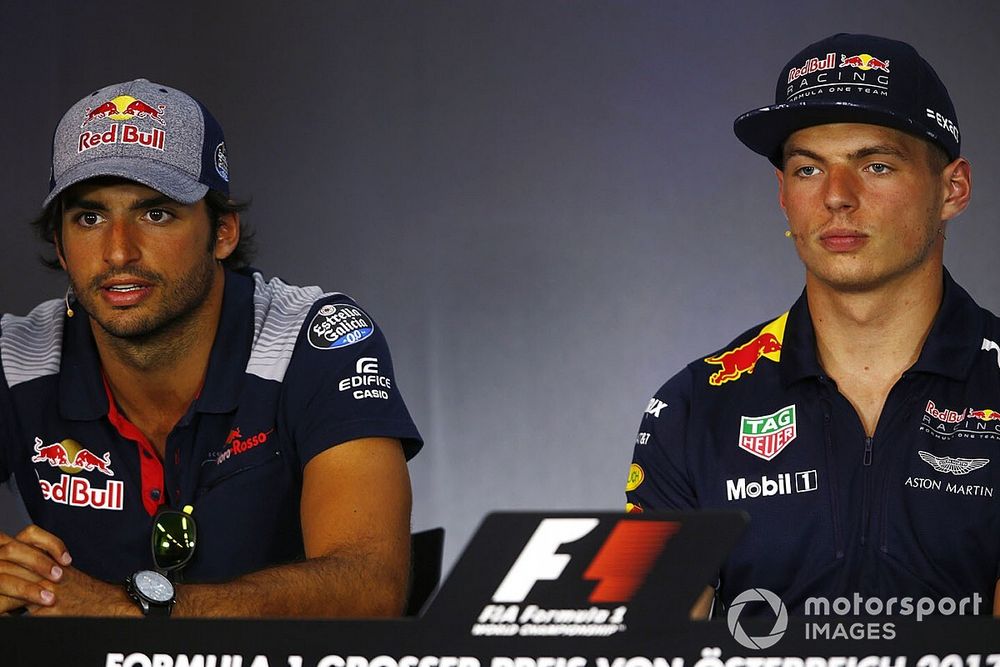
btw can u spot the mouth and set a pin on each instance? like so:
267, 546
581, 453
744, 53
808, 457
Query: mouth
128, 287
125, 293
842, 240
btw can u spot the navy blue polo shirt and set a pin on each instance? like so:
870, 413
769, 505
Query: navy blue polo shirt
292, 372
910, 511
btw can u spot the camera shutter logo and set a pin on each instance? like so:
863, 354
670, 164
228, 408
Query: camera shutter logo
780, 622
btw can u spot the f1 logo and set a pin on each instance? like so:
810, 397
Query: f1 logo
620, 566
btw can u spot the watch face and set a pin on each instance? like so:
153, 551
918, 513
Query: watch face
154, 586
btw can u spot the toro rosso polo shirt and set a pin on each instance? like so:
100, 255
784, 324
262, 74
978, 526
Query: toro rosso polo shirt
759, 427
292, 372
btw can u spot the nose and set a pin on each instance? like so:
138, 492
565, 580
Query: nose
840, 189
120, 247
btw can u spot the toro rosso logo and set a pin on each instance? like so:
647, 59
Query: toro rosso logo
123, 107
236, 444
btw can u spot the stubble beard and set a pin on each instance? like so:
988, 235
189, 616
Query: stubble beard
860, 281
165, 332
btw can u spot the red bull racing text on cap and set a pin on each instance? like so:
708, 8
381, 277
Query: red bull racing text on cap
854, 79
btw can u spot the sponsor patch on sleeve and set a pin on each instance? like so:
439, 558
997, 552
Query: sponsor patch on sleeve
635, 476
338, 325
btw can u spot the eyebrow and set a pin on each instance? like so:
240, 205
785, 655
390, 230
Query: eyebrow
151, 202
867, 151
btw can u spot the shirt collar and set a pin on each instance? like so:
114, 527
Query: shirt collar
233, 339
81, 389
949, 350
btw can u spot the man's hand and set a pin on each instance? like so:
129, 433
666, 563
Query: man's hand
31, 564
80, 595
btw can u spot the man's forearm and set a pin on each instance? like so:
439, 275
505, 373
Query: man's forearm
328, 586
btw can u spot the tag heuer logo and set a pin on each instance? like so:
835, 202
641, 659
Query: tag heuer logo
768, 435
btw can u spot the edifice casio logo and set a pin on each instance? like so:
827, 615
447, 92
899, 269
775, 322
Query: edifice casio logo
619, 567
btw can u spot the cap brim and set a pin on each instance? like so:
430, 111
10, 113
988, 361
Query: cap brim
172, 182
765, 130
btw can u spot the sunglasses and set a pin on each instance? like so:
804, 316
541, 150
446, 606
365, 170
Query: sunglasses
174, 537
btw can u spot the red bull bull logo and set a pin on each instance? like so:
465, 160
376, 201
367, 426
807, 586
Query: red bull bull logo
743, 359
985, 415
123, 107
864, 62
69, 456
55, 455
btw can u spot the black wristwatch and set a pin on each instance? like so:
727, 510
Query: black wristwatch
152, 591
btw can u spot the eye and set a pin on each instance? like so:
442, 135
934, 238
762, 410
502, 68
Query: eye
879, 168
88, 218
806, 171
158, 215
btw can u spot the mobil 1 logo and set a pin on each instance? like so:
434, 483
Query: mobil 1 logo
337, 325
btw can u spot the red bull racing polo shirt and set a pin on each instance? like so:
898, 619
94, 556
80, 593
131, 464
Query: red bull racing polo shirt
910, 511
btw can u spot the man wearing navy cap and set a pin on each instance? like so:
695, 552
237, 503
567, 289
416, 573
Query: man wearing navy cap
172, 376
860, 429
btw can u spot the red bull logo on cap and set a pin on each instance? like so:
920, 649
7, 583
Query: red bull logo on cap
743, 359
986, 415
71, 458
864, 62
812, 65
123, 107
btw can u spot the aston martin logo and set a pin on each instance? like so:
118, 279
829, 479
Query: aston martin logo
952, 465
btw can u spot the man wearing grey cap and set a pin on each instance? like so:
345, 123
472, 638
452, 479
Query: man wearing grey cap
859, 429
224, 444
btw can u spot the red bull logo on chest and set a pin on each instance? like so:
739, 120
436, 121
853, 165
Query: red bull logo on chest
743, 359
72, 458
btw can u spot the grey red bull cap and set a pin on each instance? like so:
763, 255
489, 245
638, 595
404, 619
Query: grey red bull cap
144, 132
854, 79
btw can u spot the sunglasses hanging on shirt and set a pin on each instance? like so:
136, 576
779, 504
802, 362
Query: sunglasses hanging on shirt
174, 537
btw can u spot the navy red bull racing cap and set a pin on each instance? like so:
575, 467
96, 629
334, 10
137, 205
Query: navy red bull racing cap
854, 79
144, 132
